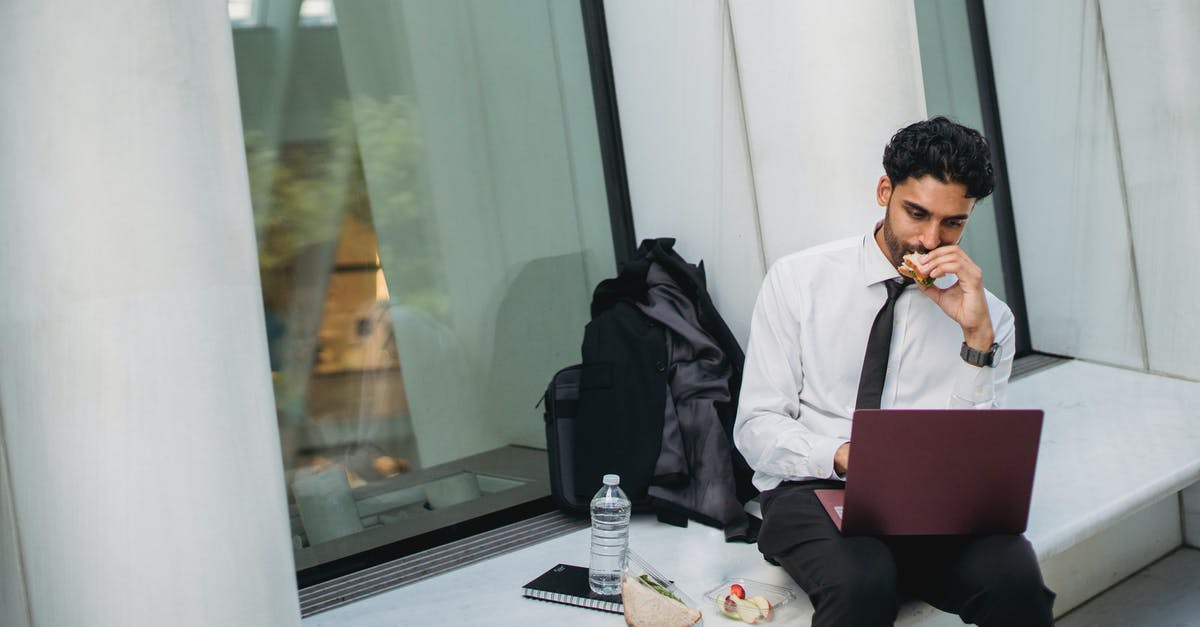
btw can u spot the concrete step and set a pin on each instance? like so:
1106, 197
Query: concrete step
1167, 593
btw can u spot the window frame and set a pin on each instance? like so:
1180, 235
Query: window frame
608, 123
1006, 230
624, 246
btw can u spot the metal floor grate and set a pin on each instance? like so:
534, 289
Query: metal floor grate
411, 568
1036, 362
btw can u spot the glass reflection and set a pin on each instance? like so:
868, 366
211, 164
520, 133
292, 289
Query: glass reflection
429, 202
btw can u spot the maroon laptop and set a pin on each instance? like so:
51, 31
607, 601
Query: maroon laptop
937, 472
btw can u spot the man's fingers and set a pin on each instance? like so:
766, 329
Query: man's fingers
942, 251
940, 254
932, 291
949, 266
956, 264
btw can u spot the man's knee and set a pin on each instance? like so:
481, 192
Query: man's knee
1002, 561
860, 586
868, 566
1005, 573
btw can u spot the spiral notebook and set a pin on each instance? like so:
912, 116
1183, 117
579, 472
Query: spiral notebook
568, 584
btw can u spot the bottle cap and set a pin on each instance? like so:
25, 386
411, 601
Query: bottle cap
611, 479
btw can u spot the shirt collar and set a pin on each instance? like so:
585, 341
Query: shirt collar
874, 266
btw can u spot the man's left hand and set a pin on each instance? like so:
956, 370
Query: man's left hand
964, 301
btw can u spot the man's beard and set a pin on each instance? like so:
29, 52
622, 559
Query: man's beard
896, 249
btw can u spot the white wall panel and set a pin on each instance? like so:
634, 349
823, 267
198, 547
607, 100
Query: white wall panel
684, 140
1154, 65
1063, 169
139, 420
13, 604
825, 86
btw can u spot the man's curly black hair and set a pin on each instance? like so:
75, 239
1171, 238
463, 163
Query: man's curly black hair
943, 149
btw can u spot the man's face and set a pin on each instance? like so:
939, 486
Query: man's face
922, 214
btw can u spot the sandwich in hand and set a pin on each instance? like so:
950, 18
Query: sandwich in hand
909, 269
648, 603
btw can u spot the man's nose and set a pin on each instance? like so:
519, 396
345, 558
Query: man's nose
929, 237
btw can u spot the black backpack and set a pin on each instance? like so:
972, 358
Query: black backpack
607, 413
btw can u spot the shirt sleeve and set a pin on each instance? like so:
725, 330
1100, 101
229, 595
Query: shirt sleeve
978, 387
768, 431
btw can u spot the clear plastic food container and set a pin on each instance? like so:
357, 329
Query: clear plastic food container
636, 565
778, 598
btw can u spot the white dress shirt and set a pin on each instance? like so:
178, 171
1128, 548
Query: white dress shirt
808, 336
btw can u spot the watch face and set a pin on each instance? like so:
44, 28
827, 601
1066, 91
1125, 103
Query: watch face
989, 358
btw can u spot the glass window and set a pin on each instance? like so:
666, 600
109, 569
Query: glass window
957, 68
316, 12
952, 90
241, 12
244, 13
431, 212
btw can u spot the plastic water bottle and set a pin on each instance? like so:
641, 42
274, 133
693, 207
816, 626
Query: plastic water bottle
610, 537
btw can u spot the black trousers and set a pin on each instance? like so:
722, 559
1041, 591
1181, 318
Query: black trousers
860, 580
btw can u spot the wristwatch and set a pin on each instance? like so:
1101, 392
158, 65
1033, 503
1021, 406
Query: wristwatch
979, 358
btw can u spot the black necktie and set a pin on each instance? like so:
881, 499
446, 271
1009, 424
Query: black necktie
870, 384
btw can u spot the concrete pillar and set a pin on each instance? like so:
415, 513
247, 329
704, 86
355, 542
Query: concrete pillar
140, 474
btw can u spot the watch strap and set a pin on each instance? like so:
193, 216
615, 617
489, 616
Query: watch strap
979, 358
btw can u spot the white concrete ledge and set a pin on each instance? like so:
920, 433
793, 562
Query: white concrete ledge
1114, 442
1189, 500
1051, 543
1116, 446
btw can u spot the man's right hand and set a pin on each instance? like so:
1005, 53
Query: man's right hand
841, 459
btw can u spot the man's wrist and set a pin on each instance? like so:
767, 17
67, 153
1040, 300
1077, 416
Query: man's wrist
980, 339
977, 358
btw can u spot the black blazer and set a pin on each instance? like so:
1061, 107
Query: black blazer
622, 401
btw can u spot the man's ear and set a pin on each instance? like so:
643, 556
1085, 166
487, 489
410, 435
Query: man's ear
883, 191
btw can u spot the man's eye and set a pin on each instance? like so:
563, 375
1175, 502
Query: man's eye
956, 224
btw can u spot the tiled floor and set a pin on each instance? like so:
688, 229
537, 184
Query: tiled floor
1165, 594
